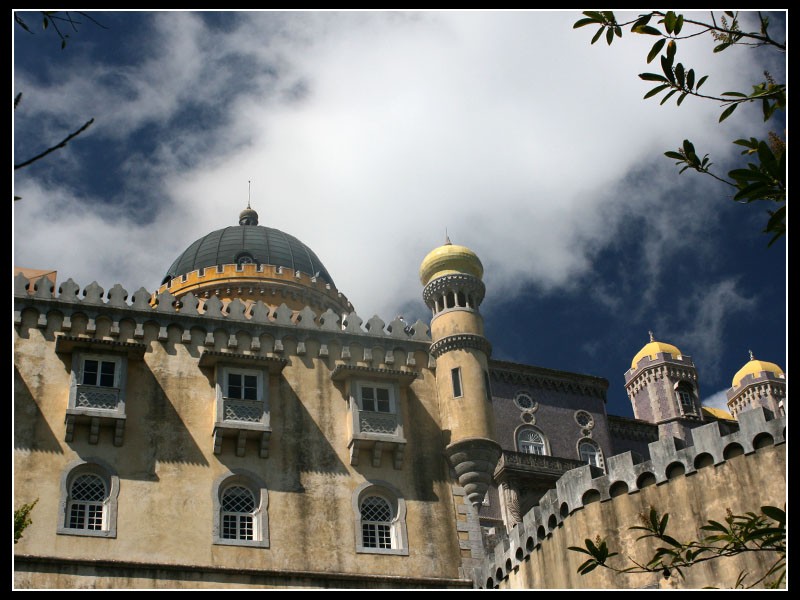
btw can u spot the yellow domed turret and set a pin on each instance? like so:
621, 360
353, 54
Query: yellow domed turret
654, 348
447, 259
755, 367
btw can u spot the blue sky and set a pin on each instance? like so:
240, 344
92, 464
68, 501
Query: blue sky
367, 134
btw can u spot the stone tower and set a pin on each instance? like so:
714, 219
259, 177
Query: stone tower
453, 291
663, 389
758, 383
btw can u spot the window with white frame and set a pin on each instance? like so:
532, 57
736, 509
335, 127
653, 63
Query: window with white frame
238, 513
376, 522
242, 395
377, 408
590, 453
89, 492
531, 441
98, 382
380, 519
240, 505
87, 497
376, 397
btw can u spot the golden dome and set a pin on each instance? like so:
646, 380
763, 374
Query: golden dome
755, 367
448, 259
654, 348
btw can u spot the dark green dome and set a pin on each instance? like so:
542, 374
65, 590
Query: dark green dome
248, 243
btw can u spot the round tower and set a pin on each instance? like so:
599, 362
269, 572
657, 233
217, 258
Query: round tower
453, 290
758, 383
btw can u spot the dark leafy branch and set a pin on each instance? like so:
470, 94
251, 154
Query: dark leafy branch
22, 519
764, 179
51, 18
739, 534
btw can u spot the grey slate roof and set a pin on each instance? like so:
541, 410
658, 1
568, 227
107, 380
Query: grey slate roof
265, 245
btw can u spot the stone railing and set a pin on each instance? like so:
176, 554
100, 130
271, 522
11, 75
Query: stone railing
377, 422
99, 398
247, 411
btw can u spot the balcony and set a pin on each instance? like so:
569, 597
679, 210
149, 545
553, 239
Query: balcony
243, 420
376, 433
531, 475
96, 406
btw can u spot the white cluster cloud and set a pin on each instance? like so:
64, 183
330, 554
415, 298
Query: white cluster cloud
366, 135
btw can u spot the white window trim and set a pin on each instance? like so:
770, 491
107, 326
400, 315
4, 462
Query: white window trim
527, 427
596, 446
391, 387
398, 505
76, 381
262, 394
101, 469
259, 490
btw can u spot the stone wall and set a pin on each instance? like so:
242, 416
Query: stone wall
741, 472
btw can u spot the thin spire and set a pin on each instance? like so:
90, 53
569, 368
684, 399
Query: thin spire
751, 355
447, 241
652, 339
248, 193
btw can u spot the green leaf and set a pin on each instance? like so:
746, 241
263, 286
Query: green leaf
669, 21
671, 48
652, 77
578, 549
646, 30
582, 22
701, 82
641, 21
682, 96
678, 25
655, 90
662, 526
595, 15
730, 14
666, 66
739, 94
754, 191
690, 79
774, 513
609, 16
676, 156
45, 22
671, 540
727, 112
610, 35
667, 97
598, 34
722, 46
588, 569
680, 74
618, 31
656, 49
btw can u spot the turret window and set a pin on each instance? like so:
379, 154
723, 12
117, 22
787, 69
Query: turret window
590, 453
456, 376
685, 396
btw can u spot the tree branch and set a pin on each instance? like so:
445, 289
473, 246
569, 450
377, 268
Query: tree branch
61, 144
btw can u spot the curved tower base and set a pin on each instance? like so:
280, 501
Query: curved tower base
474, 460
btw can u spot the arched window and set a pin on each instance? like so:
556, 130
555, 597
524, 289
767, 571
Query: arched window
240, 506
87, 497
590, 453
531, 441
376, 522
238, 513
89, 492
380, 513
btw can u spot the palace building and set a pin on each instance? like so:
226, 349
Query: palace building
243, 427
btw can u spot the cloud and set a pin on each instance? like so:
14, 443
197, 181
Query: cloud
717, 400
366, 135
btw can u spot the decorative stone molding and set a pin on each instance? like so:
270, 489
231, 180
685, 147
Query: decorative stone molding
459, 342
549, 379
454, 282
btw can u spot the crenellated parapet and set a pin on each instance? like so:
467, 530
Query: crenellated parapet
239, 324
669, 460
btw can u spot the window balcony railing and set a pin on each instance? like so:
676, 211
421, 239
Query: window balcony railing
97, 398
243, 411
376, 433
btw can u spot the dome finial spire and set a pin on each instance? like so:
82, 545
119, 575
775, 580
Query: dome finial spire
652, 339
248, 216
447, 241
751, 355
